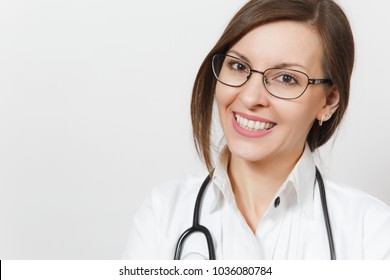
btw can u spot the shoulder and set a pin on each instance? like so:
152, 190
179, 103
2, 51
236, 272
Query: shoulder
175, 189
159, 220
174, 199
169, 199
348, 197
360, 217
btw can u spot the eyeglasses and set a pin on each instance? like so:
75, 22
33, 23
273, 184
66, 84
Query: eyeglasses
279, 82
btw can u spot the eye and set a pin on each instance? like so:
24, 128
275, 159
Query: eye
236, 65
287, 79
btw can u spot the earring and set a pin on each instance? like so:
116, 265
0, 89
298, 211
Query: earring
321, 120
325, 118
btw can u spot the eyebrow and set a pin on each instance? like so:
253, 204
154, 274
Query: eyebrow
241, 56
280, 65
289, 65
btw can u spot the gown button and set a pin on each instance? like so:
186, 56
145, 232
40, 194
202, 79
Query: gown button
277, 202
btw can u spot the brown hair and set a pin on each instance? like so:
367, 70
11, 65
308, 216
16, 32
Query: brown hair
329, 21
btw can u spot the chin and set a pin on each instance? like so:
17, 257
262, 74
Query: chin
249, 154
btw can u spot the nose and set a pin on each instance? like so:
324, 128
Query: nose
253, 93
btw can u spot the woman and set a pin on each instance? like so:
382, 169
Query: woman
280, 78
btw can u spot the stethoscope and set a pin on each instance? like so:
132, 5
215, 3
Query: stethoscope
196, 227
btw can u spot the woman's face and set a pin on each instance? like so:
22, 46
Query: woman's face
285, 123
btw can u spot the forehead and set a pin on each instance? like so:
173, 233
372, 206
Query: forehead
283, 42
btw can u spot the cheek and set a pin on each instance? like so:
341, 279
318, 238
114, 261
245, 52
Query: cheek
312, 102
305, 111
224, 96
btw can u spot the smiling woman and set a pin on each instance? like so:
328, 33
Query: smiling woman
255, 154
280, 78
291, 42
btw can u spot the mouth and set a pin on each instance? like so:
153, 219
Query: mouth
253, 125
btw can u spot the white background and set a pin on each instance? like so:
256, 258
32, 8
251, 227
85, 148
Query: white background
94, 111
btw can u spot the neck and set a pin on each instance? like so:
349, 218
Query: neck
256, 183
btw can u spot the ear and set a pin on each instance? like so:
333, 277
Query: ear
330, 106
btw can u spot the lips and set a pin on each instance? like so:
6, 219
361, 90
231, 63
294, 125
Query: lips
251, 123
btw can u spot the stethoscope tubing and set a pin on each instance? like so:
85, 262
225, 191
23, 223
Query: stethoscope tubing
196, 227
321, 187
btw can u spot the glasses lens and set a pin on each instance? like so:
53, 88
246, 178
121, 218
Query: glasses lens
282, 83
285, 83
230, 70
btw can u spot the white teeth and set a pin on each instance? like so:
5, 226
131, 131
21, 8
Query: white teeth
252, 125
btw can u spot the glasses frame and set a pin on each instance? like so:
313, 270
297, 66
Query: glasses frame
310, 81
